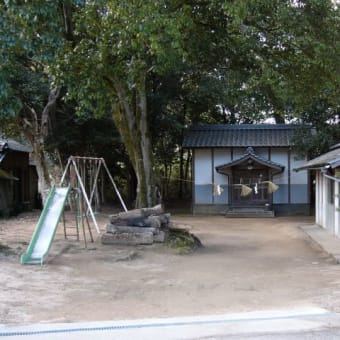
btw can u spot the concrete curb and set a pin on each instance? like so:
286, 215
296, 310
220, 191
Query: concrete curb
327, 242
182, 328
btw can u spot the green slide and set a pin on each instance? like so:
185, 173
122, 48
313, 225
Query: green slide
47, 225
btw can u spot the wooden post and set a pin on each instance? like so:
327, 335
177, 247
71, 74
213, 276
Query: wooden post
95, 180
81, 207
87, 200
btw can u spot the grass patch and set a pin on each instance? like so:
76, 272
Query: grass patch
183, 241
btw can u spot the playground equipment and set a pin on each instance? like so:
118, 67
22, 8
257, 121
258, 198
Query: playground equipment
79, 185
46, 227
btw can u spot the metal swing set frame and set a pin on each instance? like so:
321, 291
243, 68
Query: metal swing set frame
82, 175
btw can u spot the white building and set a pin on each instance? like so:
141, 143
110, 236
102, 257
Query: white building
247, 170
327, 189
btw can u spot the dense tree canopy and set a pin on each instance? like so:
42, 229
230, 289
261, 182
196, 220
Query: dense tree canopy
116, 46
30, 33
155, 67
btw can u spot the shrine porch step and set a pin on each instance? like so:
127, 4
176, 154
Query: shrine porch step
249, 213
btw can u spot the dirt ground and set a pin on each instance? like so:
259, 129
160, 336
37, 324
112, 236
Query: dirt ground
245, 265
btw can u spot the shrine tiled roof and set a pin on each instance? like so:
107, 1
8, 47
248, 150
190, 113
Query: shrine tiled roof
250, 156
243, 135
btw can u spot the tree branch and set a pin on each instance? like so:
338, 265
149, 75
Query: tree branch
50, 106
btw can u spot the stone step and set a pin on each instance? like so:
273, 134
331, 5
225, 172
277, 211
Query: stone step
249, 213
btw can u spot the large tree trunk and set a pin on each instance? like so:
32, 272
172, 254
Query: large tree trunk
130, 118
36, 129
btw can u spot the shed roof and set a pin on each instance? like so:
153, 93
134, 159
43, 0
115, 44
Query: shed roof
11, 144
331, 158
243, 135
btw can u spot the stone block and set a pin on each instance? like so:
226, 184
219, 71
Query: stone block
111, 228
160, 237
127, 238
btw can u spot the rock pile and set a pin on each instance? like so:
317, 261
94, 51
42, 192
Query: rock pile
138, 226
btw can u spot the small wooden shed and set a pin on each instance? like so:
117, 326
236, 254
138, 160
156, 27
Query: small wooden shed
18, 180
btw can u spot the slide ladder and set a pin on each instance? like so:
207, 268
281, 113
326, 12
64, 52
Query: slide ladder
46, 228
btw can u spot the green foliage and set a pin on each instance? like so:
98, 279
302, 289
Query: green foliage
324, 119
288, 54
202, 62
30, 34
123, 40
183, 241
85, 135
